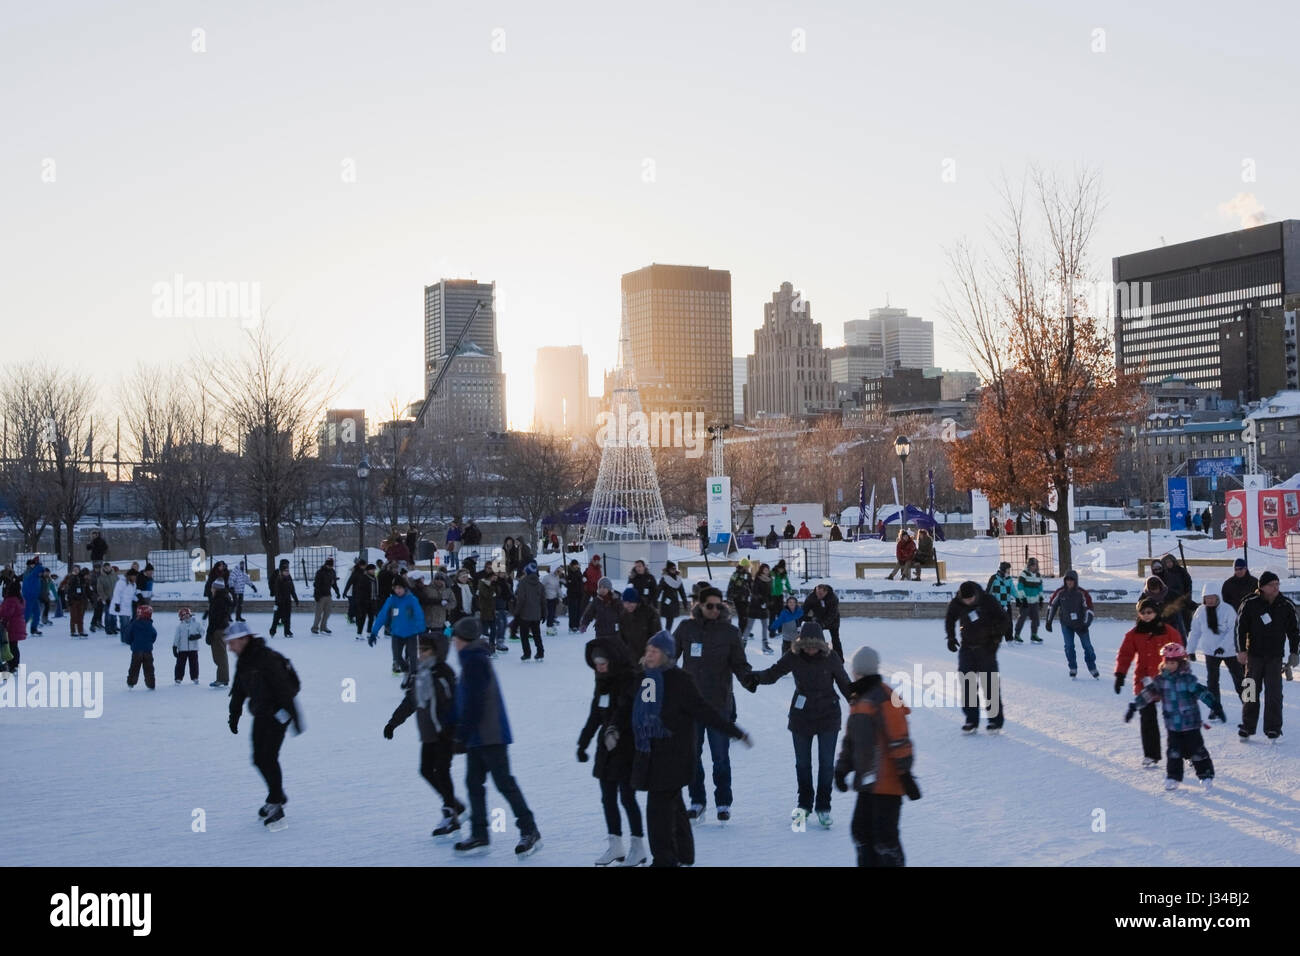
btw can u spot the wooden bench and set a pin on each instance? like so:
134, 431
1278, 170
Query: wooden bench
859, 567
685, 566
1144, 565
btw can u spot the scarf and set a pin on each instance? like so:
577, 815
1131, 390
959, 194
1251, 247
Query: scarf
1153, 626
1212, 617
647, 720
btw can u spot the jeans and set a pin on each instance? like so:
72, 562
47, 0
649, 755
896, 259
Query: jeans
268, 735
551, 605
1187, 745
1264, 677
122, 621
435, 767
803, 744
668, 829
479, 762
453, 559
979, 673
720, 753
500, 623
1089, 656
404, 652
875, 829
611, 793
32, 614
533, 629
239, 606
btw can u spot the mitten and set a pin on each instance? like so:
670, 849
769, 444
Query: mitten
909, 787
842, 781
1128, 714
952, 644
1048, 627
234, 723
1119, 683
388, 730
372, 640
582, 755
745, 739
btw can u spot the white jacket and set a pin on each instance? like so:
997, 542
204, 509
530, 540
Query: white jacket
124, 593
188, 635
550, 586
1221, 644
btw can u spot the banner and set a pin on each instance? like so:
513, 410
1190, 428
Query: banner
1177, 498
1279, 515
1234, 526
1214, 467
719, 513
979, 506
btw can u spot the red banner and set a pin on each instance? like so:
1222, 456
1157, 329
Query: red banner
1279, 515
1235, 521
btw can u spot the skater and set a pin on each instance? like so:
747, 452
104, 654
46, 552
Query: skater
1169, 605
592, 577
104, 589
1002, 586
141, 634
1266, 621
644, 582
982, 628
486, 597
823, 606
1177, 689
1029, 600
286, 597
326, 580
33, 593
575, 597
760, 596
551, 592
739, 592
529, 601
435, 599
219, 608
482, 734
610, 722
1074, 606
79, 594
240, 582
505, 596
711, 654
267, 680
786, 625
604, 610
665, 712
1213, 633
461, 594
904, 552
365, 593
1142, 644
402, 615
670, 597
430, 694
1179, 583
637, 623
185, 644
13, 626
780, 588
878, 752
123, 598
1240, 586
814, 716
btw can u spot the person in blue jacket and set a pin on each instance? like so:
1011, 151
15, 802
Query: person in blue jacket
141, 634
32, 581
402, 615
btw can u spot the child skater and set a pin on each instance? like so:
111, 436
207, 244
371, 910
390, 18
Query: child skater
786, 624
1143, 644
1177, 689
185, 644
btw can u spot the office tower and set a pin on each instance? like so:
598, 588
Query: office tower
471, 398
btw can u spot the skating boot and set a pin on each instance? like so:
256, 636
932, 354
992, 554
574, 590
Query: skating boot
528, 844
824, 818
636, 855
694, 812
969, 727
275, 818
614, 854
1171, 783
450, 824
474, 846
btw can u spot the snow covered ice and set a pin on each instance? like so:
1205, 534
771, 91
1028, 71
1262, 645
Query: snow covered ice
1062, 785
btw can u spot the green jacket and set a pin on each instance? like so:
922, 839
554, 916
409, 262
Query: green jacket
780, 585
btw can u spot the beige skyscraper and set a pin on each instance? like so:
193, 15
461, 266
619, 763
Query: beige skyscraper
789, 372
560, 402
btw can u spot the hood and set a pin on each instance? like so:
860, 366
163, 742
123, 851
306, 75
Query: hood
813, 645
615, 651
1211, 589
672, 580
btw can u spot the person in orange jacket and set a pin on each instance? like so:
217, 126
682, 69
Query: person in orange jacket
803, 534
1143, 644
878, 752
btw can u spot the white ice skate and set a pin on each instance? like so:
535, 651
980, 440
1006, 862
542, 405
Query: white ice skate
1171, 784
636, 855
614, 854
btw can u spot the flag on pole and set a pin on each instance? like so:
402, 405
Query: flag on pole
862, 501
872, 507
931, 508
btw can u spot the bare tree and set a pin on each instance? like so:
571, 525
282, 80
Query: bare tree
153, 401
66, 400
24, 478
539, 475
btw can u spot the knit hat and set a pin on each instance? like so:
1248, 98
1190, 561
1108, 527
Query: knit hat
605, 583
664, 641
631, 595
1071, 575
183, 613
467, 629
1239, 563
811, 630
968, 589
428, 643
530, 567
1268, 577
866, 662
1004, 566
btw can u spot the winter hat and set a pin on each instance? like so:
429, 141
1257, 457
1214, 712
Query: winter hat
810, 630
428, 644
1004, 566
866, 662
1071, 575
605, 583
1155, 584
467, 629
664, 641
238, 629
743, 563
184, 613
144, 611
530, 567
709, 592
631, 595
1173, 651
1239, 563
968, 589
1268, 577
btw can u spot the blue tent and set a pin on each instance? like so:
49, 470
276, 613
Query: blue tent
921, 519
578, 513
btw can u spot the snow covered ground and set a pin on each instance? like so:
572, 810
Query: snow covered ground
1061, 786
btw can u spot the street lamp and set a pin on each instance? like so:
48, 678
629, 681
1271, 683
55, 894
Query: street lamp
902, 448
363, 472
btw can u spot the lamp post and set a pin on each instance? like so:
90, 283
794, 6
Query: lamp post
363, 472
902, 448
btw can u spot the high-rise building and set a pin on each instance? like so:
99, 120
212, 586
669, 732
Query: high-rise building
472, 395
955, 384
905, 341
739, 376
788, 375
342, 436
1171, 301
1249, 345
850, 364
560, 403
679, 331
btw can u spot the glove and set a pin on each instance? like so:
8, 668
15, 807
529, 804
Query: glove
909, 786
1191, 657
745, 739
582, 756
842, 782
372, 640
458, 746
1216, 713
611, 738
1119, 683
1218, 652
1128, 714
952, 644
234, 725
1048, 627
388, 730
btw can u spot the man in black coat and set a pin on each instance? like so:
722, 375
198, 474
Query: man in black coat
1240, 586
326, 580
711, 653
823, 607
1266, 622
268, 682
665, 710
644, 582
286, 596
98, 548
220, 604
983, 625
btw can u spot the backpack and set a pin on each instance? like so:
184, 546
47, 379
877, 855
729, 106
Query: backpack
285, 672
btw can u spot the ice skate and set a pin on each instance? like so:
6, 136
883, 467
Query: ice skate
275, 819
636, 854
1073, 673
969, 727
1150, 763
824, 818
450, 824
1035, 639
724, 814
614, 854
1171, 784
528, 844
474, 846
1207, 783
694, 812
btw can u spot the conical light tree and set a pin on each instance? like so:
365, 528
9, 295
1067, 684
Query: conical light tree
626, 503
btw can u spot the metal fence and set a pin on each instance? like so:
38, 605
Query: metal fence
1018, 548
307, 561
806, 558
171, 566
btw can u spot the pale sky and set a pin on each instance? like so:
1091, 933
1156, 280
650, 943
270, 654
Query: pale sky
129, 158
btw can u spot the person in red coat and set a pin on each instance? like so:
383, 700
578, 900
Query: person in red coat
803, 533
1010, 526
13, 625
1142, 644
591, 577
904, 551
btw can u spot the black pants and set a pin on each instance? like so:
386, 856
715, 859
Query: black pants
531, 629
1263, 675
268, 735
97, 617
836, 646
137, 661
1150, 731
1235, 671
365, 619
193, 658
611, 792
669, 618
1187, 745
239, 605
281, 616
13, 663
479, 762
978, 668
435, 767
575, 603
669, 829
1029, 611
875, 829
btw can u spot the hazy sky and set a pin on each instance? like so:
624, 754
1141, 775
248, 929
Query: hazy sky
552, 147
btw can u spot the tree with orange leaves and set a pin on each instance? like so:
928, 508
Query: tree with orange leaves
1053, 405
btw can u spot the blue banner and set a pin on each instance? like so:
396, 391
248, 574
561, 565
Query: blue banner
1214, 467
1178, 504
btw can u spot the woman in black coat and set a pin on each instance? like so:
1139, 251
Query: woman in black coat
814, 714
574, 598
671, 596
823, 607
610, 721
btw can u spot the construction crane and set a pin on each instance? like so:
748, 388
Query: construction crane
442, 372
